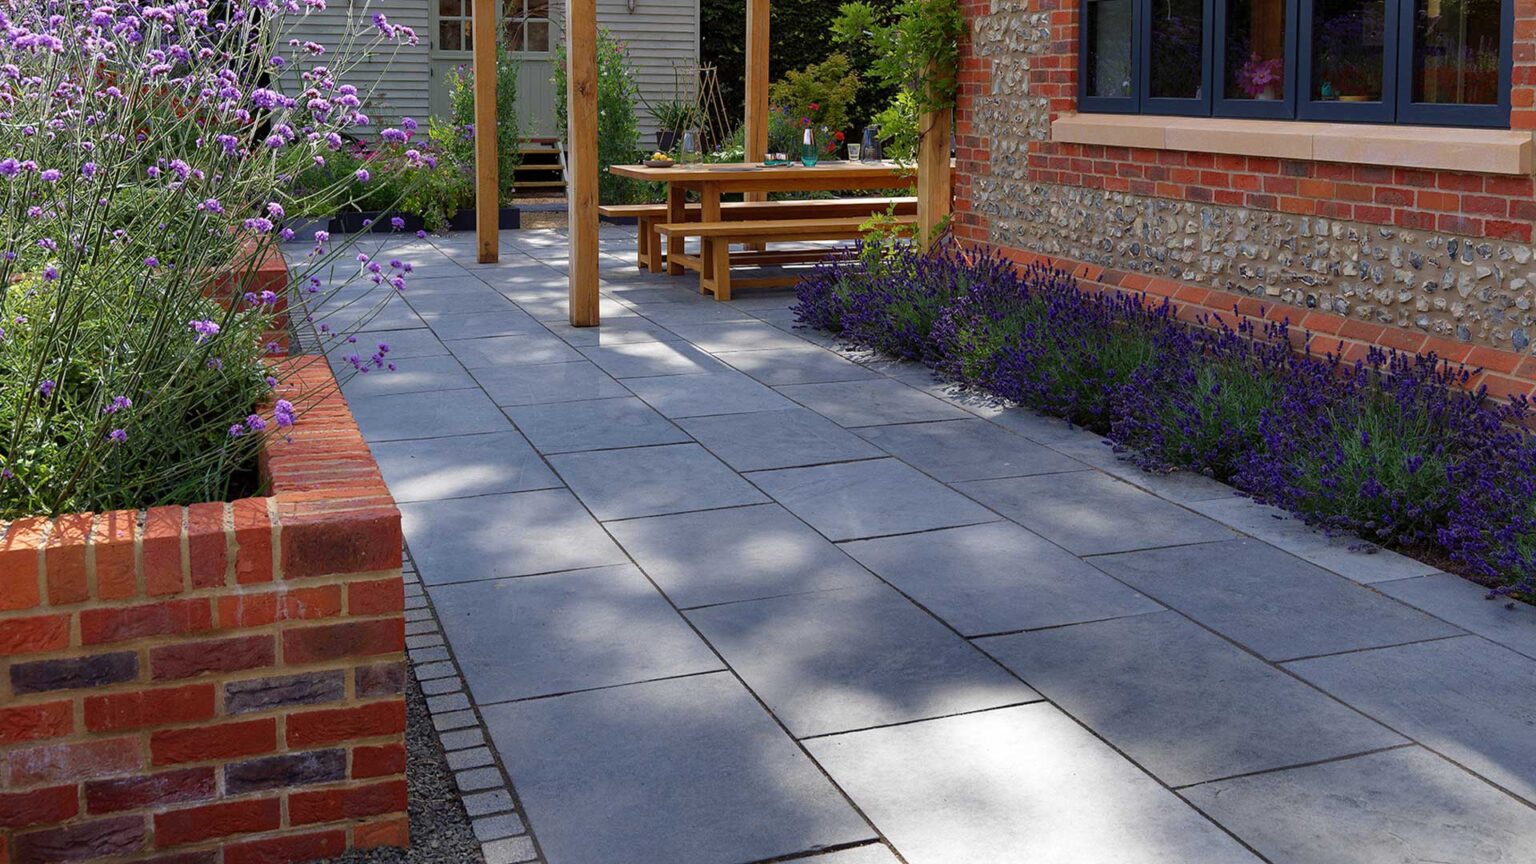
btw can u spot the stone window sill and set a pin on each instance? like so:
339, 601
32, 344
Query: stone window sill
1481, 151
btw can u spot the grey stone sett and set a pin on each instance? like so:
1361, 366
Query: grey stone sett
439, 686
511, 850
496, 827
461, 738
482, 803
478, 779
479, 757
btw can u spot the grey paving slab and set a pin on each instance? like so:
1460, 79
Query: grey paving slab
957, 450
1276, 604
746, 335
410, 375
562, 632
510, 321
564, 427
740, 553
461, 466
524, 349
1345, 555
1465, 698
1184, 703
403, 345
855, 500
620, 331
996, 578
1022, 784
1180, 486
1466, 604
455, 299
724, 392
690, 311
778, 439
684, 771
1404, 805
642, 359
504, 535
510, 386
651, 481
871, 854
1034, 426
429, 414
803, 364
854, 658
1092, 513
871, 403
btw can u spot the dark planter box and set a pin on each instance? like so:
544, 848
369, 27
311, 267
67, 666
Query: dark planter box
378, 223
666, 139
506, 218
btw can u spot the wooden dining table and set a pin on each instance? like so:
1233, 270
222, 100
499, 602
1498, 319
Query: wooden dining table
711, 180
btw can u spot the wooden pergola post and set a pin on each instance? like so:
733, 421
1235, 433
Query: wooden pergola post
487, 171
582, 166
756, 135
934, 187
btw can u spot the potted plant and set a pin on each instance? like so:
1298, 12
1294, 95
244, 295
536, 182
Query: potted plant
672, 118
453, 140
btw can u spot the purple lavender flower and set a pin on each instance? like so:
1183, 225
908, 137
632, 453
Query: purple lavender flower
117, 436
45, 389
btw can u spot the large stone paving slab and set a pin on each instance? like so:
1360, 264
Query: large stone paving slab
1092, 513
523, 349
1278, 605
738, 336
871, 403
1015, 786
1184, 703
643, 359
854, 659
957, 450
1466, 698
684, 771
1344, 554
778, 439
855, 500
1466, 605
556, 382
410, 375
806, 364
726, 392
997, 578
595, 424
561, 632
739, 553
433, 414
1404, 805
651, 481
461, 466
504, 535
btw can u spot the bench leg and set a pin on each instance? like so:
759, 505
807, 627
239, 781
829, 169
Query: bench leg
642, 243
677, 211
721, 277
655, 260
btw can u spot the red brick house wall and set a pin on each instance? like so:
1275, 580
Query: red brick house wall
217, 683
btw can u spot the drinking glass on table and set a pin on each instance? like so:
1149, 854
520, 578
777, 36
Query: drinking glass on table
853, 152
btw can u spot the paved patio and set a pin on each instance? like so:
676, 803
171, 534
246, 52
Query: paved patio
717, 593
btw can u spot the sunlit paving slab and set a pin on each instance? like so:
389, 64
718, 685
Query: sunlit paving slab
734, 554
685, 771
1277, 605
1018, 784
651, 481
561, 632
595, 424
1464, 698
778, 439
723, 392
871, 403
1466, 604
426, 414
1184, 703
854, 658
461, 466
854, 500
1402, 805
463, 539
959, 450
997, 578
418, 375
510, 386
652, 358
804, 364
1091, 513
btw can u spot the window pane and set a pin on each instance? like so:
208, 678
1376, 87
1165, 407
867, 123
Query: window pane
1456, 51
538, 36
448, 34
1108, 70
538, 8
1255, 50
1178, 32
514, 36
1347, 42
449, 8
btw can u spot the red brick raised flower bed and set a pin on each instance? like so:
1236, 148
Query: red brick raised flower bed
216, 683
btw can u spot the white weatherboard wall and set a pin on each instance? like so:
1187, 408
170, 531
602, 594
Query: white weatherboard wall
659, 34
396, 80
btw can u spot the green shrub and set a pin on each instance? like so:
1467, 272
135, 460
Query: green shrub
454, 137
618, 129
820, 93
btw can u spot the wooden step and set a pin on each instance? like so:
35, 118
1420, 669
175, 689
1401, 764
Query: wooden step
538, 184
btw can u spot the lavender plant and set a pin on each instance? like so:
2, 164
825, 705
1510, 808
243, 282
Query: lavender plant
147, 158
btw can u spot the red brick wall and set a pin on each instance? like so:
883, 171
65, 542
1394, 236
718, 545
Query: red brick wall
222, 681
1496, 207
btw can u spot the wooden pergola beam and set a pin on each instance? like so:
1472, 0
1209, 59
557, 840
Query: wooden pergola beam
582, 165
487, 172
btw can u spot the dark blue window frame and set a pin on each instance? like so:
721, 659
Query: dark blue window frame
1396, 105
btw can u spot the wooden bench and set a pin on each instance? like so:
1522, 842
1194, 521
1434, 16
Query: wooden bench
715, 259
650, 255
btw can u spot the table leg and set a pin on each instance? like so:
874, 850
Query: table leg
642, 242
677, 211
709, 211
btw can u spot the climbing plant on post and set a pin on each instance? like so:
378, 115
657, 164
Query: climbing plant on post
917, 52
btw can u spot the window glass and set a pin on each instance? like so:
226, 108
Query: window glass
1456, 51
1348, 38
1255, 58
1178, 33
1108, 67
